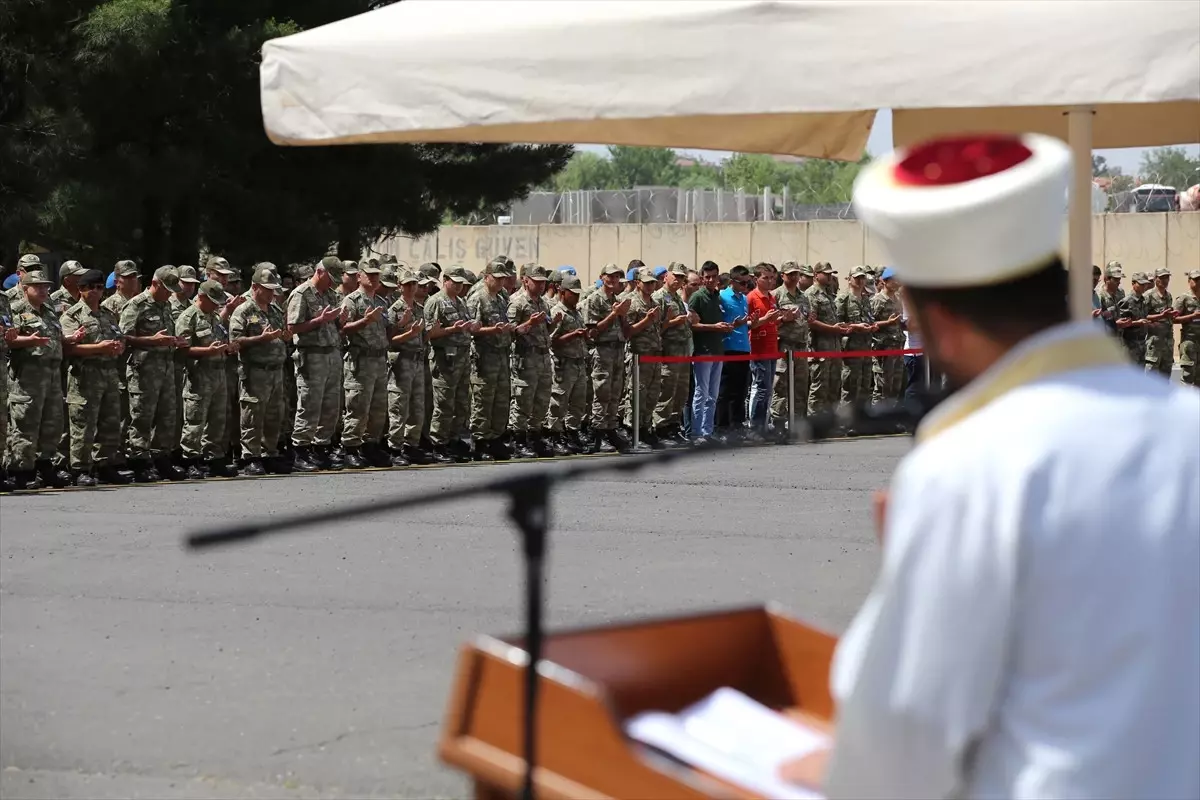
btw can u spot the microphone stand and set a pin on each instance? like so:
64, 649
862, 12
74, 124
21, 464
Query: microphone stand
528, 498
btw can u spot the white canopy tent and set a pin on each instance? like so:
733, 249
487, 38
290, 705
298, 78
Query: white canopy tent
803, 77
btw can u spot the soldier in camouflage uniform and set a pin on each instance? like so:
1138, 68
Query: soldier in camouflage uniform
313, 315
645, 339
258, 329
35, 401
1187, 317
887, 311
675, 380
568, 346
532, 373
67, 293
364, 366
93, 385
1131, 318
1109, 294
604, 316
188, 281
854, 310
127, 287
8, 333
491, 380
450, 329
1160, 333
793, 338
406, 373
428, 284
204, 441
826, 331
28, 263
150, 376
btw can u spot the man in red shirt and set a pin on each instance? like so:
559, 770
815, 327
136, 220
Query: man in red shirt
764, 341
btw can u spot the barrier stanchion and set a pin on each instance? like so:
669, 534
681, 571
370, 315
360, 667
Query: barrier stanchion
791, 368
928, 373
637, 404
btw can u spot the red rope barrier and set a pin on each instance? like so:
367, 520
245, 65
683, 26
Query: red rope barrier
769, 356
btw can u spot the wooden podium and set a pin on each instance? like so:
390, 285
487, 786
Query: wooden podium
593, 680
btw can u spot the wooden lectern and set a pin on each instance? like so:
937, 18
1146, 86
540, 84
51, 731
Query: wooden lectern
592, 680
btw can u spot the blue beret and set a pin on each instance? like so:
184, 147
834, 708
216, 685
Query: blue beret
660, 271
888, 272
567, 269
111, 281
631, 274
11, 280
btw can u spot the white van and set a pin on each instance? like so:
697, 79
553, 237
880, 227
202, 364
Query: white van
1154, 197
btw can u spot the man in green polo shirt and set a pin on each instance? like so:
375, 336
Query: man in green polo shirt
708, 339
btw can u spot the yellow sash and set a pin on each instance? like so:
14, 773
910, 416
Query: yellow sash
1064, 355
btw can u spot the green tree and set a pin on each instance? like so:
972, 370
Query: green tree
752, 172
585, 171
644, 166
1170, 166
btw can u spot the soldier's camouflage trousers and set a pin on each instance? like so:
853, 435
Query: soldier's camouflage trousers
260, 390
233, 407
205, 412
649, 385
318, 395
1189, 351
608, 379
824, 380
152, 431
35, 409
889, 378
1136, 350
856, 376
288, 424
779, 393
451, 376
406, 398
568, 394
427, 368
365, 420
491, 393
3, 404
1159, 357
532, 377
674, 392
180, 377
94, 412
589, 365
63, 457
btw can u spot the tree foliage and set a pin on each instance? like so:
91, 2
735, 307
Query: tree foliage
1170, 166
134, 128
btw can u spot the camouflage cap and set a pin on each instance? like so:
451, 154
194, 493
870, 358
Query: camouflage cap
678, 268
646, 275
29, 261
611, 269
370, 268
824, 267
91, 279
806, 270
388, 277
457, 274
427, 280
350, 267
498, 269
861, 272
1141, 277
1194, 275
571, 283
302, 272
408, 276
219, 264
430, 269
536, 272
390, 259
71, 269
125, 268
188, 274
554, 277
1162, 272
266, 276
168, 276
332, 265
789, 267
472, 278
213, 291
35, 278
1113, 270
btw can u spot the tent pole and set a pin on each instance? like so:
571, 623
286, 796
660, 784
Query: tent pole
1079, 136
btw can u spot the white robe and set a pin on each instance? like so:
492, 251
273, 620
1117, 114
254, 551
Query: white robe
1034, 631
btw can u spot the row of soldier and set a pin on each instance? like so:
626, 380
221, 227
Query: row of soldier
1144, 319
337, 365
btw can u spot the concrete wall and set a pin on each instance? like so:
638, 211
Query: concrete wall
1139, 241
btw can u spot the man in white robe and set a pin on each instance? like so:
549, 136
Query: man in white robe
1034, 631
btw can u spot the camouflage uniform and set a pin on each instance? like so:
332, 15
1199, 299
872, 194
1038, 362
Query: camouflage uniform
491, 380
675, 380
1160, 336
366, 374
888, 370
1133, 306
150, 378
856, 372
93, 391
35, 401
531, 368
205, 409
318, 367
449, 367
647, 342
568, 394
175, 307
825, 374
406, 381
260, 378
1108, 301
1189, 336
608, 370
6, 321
115, 303
793, 338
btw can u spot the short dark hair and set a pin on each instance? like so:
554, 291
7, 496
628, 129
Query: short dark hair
1008, 310
739, 271
762, 269
1095, 271
709, 266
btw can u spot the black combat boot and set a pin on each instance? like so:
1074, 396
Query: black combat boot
219, 468
483, 450
254, 468
52, 476
111, 473
27, 480
167, 470
195, 469
353, 459
499, 449
335, 456
554, 444
415, 455
83, 478
302, 460
602, 442
521, 448
6, 485
398, 457
279, 465
376, 456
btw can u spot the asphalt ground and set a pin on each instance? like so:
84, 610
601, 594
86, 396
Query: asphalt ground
318, 664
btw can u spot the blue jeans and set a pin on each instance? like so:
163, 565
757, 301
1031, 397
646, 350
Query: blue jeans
914, 375
704, 400
762, 376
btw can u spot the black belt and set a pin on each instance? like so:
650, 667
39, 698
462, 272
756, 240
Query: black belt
319, 349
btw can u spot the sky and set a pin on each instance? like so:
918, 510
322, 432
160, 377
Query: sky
1127, 158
